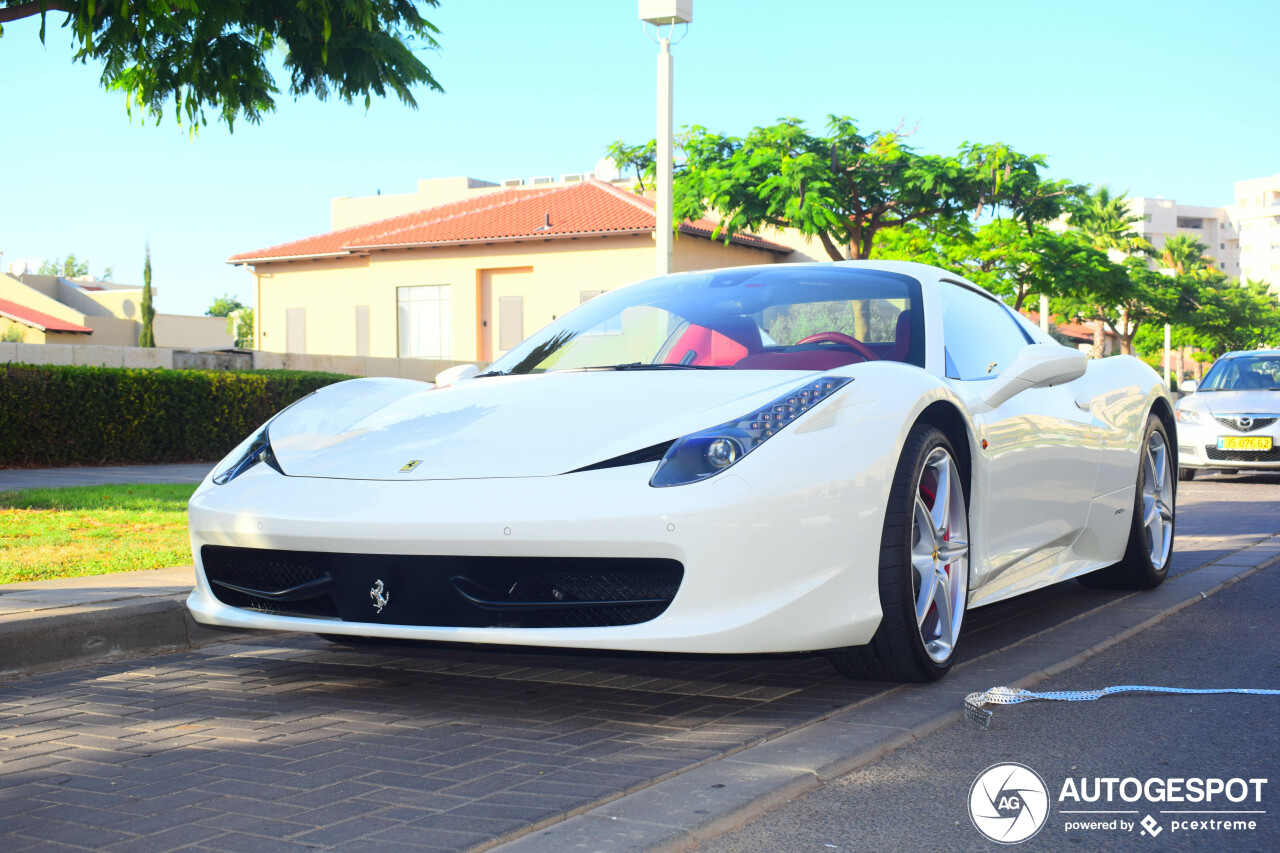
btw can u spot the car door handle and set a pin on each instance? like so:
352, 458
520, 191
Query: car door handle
1083, 402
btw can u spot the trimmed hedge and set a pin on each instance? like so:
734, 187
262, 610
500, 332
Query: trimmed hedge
57, 415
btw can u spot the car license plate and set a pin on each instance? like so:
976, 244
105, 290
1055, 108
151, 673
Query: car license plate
1243, 442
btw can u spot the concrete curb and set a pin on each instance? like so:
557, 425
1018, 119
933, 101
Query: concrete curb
62, 637
704, 802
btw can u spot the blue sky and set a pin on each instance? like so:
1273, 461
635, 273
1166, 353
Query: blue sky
1175, 99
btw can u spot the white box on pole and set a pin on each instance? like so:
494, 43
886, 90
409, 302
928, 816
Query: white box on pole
661, 12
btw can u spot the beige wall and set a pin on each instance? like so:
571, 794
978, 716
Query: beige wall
111, 332
184, 331
12, 289
347, 212
558, 272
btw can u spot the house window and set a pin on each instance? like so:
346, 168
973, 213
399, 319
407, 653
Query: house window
1190, 222
510, 321
362, 330
424, 321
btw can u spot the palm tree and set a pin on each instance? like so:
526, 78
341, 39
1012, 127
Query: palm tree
1183, 253
1107, 224
1105, 219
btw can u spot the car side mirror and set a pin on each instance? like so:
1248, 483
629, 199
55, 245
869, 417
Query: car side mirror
1188, 386
457, 373
1037, 366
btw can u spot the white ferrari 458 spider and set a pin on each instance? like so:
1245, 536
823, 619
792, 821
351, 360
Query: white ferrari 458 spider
836, 457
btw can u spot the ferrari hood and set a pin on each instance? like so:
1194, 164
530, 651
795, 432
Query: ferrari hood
1238, 402
507, 426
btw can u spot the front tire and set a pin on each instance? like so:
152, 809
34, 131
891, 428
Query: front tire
1185, 474
1146, 560
924, 568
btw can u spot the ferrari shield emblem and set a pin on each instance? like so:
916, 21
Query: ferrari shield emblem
380, 596
410, 465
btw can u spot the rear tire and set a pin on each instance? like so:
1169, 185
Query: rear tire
1146, 560
1185, 474
924, 568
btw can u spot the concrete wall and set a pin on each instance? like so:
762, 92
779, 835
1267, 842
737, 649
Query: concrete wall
181, 330
424, 370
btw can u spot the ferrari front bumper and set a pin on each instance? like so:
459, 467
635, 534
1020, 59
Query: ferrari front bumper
772, 562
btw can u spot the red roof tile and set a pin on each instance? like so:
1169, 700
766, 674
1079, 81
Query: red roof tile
40, 320
1075, 331
588, 208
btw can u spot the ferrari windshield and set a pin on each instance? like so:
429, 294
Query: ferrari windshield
797, 317
1244, 373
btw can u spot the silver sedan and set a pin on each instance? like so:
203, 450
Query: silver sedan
1231, 422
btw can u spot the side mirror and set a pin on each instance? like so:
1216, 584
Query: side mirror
1188, 386
457, 373
1037, 366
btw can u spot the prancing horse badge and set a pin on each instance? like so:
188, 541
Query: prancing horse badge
380, 596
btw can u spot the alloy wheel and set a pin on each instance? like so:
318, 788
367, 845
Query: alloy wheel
1157, 499
940, 555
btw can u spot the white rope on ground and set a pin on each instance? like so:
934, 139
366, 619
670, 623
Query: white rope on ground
981, 717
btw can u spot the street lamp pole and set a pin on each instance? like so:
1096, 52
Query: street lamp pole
666, 143
666, 13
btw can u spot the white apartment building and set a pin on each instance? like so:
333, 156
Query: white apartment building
1242, 238
1212, 226
1256, 215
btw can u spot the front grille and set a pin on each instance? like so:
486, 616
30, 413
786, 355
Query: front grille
269, 572
1216, 455
445, 591
1245, 423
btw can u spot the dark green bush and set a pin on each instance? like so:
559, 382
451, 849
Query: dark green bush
54, 415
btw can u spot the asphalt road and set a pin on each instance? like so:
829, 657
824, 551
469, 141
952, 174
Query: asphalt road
917, 797
290, 743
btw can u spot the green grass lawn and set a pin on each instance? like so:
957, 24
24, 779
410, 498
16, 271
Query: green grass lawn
92, 530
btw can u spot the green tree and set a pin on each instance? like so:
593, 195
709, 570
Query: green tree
68, 267
13, 334
147, 337
1106, 221
214, 54
844, 187
1011, 181
1228, 315
1182, 253
240, 327
641, 159
1115, 299
1002, 256
223, 306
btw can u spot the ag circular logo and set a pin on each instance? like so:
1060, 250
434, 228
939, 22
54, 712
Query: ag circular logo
1008, 803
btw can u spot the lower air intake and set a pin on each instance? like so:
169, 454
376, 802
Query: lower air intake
444, 591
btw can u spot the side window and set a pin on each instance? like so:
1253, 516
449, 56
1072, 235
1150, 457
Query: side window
981, 338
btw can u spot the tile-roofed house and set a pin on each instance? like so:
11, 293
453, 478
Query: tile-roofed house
465, 269
39, 320
589, 208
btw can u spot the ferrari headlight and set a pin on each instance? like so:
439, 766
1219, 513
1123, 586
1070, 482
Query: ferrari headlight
259, 450
704, 454
1187, 416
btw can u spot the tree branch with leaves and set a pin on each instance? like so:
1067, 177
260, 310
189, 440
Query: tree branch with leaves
212, 55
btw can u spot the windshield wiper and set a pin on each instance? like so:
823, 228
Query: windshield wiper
640, 365
491, 373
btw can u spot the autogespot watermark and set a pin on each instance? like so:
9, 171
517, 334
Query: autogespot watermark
1009, 803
